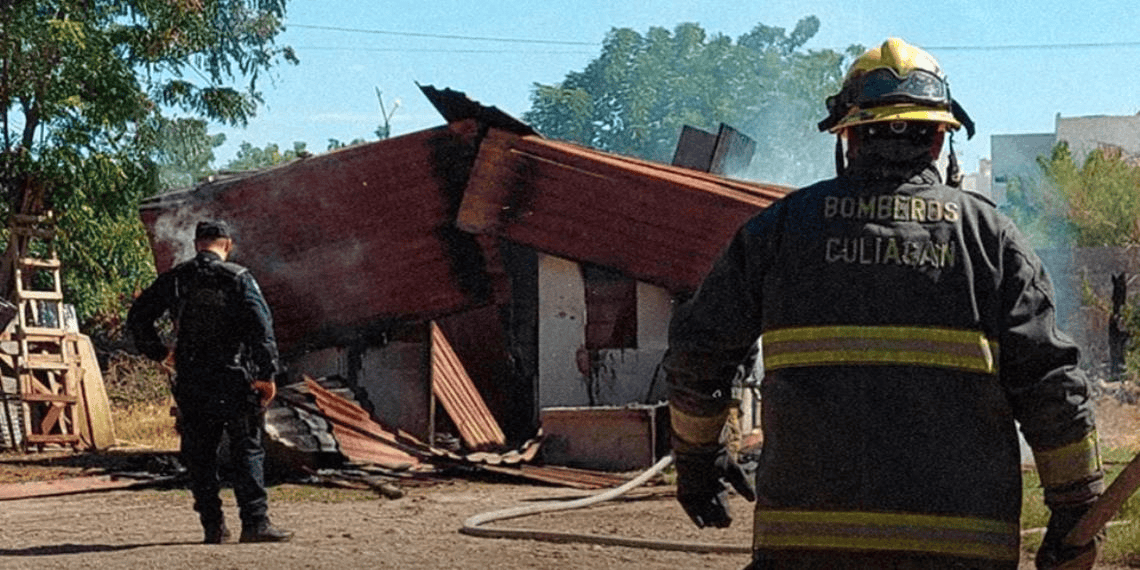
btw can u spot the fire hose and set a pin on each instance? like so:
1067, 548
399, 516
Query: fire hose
1104, 509
473, 525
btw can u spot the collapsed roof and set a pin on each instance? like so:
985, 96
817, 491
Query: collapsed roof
405, 229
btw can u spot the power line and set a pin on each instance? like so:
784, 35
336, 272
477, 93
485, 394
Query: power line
442, 36
580, 43
405, 50
1034, 46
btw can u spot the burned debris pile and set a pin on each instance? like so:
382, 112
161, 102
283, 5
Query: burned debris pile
320, 427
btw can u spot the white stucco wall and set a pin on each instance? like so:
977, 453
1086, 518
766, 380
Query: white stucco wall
621, 376
561, 332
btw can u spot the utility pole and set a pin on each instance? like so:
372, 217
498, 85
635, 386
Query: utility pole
384, 131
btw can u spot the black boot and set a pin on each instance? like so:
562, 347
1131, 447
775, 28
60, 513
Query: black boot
264, 531
216, 533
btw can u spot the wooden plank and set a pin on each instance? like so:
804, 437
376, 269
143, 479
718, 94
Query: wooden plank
52, 418
40, 295
34, 331
39, 438
40, 233
31, 262
71, 486
48, 397
33, 219
30, 385
46, 362
96, 405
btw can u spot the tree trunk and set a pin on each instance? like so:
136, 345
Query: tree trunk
1117, 332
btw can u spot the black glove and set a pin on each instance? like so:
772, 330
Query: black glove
1054, 554
701, 490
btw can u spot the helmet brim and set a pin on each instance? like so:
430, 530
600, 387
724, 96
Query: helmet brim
895, 113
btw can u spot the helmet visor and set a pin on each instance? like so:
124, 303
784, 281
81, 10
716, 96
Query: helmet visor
883, 87
882, 94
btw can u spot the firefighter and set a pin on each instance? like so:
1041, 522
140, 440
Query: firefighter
907, 329
226, 358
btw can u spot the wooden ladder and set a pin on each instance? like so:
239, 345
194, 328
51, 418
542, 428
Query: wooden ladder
48, 360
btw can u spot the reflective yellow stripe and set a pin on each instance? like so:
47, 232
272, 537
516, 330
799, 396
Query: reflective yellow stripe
853, 530
696, 430
1070, 463
859, 345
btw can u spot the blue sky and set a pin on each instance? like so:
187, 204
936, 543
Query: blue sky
1075, 59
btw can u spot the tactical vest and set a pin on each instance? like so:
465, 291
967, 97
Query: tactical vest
207, 298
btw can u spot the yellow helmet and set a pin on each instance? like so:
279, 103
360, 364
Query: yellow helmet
894, 82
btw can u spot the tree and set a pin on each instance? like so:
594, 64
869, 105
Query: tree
1094, 204
185, 151
1102, 195
250, 157
334, 144
84, 89
641, 90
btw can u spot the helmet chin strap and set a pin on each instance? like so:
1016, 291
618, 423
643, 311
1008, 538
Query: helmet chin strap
954, 174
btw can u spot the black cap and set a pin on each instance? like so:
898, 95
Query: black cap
212, 229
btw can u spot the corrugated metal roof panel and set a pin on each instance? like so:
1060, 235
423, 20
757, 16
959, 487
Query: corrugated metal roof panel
658, 223
360, 438
565, 476
353, 236
455, 390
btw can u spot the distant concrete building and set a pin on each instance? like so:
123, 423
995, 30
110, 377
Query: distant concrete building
1014, 157
1085, 134
979, 182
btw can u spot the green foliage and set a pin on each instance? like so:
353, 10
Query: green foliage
184, 150
1102, 195
642, 89
336, 143
250, 157
1094, 204
84, 85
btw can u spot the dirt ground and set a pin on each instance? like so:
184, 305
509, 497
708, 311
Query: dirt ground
143, 529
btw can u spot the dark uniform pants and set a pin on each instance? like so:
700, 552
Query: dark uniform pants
201, 437
830, 560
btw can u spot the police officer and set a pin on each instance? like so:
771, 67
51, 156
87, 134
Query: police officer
226, 358
906, 326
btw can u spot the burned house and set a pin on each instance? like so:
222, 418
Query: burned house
472, 271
